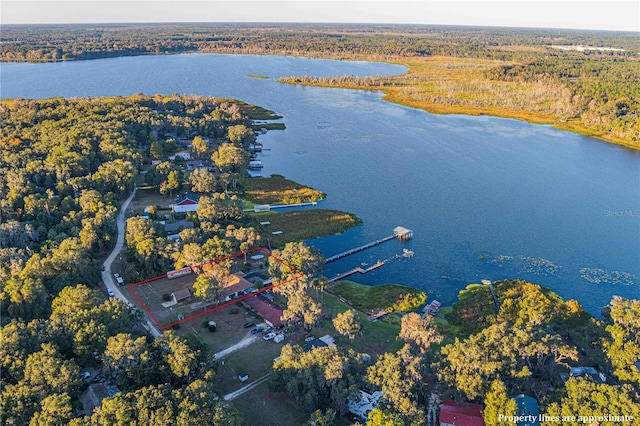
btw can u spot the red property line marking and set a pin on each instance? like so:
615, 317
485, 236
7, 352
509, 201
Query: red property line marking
297, 275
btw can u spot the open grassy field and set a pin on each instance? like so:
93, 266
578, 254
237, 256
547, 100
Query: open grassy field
263, 407
377, 337
298, 225
147, 196
392, 297
278, 190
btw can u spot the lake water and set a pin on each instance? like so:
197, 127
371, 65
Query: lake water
487, 198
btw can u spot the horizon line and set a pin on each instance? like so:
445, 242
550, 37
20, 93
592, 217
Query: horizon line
272, 23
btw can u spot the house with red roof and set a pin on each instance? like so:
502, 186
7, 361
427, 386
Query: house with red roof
454, 413
186, 203
269, 311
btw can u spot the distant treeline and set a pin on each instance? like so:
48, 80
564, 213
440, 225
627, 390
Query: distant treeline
47, 43
595, 92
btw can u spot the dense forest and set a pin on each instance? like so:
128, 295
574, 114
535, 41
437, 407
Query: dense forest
65, 164
517, 73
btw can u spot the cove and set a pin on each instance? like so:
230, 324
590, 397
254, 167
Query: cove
487, 198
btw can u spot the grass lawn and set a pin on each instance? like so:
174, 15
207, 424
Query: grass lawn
377, 337
304, 224
278, 190
261, 407
392, 297
149, 197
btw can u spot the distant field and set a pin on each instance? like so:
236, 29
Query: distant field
278, 190
392, 297
304, 224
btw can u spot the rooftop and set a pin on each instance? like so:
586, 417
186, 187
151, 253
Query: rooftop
460, 413
271, 313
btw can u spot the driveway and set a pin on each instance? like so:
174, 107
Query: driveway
107, 276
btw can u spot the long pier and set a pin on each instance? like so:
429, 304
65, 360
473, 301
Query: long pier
358, 249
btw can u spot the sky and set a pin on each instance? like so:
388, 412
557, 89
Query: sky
617, 15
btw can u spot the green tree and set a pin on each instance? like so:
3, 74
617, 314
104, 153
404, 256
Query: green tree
241, 135
296, 258
203, 181
178, 355
115, 176
585, 398
25, 299
347, 324
321, 378
199, 147
300, 306
47, 372
230, 158
174, 182
421, 333
322, 418
399, 376
381, 417
155, 150
497, 403
55, 409
131, 362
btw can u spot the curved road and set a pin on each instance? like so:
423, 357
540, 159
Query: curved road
107, 277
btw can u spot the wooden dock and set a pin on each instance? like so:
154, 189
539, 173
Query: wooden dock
360, 270
493, 293
357, 249
401, 233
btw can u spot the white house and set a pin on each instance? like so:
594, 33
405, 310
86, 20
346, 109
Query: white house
185, 155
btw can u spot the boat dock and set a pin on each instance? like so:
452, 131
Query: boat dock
403, 234
357, 249
360, 270
493, 293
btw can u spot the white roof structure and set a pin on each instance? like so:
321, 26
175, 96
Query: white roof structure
364, 404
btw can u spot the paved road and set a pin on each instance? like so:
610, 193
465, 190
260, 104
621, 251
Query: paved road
107, 276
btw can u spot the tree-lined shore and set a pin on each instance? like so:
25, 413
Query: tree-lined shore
514, 73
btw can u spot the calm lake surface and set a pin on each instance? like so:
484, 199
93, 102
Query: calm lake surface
487, 198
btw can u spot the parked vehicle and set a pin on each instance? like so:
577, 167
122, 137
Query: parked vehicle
86, 375
248, 324
279, 338
110, 292
269, 336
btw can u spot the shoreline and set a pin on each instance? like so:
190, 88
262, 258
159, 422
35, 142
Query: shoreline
392, 95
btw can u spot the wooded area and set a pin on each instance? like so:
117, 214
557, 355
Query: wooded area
64, 166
